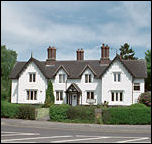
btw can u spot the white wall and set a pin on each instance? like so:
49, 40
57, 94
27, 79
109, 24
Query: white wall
94, 86
23, 84
14, 91
124, 85
142, 89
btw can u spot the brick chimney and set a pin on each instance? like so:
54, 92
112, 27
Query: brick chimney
80, 54
51, 55
104, 54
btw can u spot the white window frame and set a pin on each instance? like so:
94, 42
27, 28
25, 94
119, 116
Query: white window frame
31, 77
135, 85
88, 78
62, 78
116, 96
59, 92
115, 76
33, 96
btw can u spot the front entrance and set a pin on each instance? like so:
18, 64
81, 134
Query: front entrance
74, 99
73, 94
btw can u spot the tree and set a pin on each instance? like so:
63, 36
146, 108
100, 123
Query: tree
148, 61
126, 52
49, 94
8, 59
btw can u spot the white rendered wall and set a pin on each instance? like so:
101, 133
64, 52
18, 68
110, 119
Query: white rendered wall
14, 91
142, 89
94, 86
124, 85
23, 85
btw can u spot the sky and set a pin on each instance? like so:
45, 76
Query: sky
32, 26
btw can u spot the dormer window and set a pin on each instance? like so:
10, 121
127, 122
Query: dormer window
61, 78
117, 76
87, 78
32, 77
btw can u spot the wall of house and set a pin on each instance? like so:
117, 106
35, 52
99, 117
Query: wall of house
94, 86
14, 91
142, 89
125, 84
23, 85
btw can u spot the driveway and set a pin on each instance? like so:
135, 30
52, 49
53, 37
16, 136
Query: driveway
21, 131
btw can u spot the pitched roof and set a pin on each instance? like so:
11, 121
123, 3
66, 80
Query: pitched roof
74, 68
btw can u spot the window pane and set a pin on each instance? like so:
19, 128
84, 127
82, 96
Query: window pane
90, 78
61, 95
28, 95
35, 95
112, 96
86, 78
114, 76
92, 95
60, 78
63, 78
31, 95
30, 77
136, 86
57, 96
119, 77
88, 95
33, 77
116, 96
121, 96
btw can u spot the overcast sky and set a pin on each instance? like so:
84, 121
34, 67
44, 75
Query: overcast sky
32, 26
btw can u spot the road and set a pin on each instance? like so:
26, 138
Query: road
21, 131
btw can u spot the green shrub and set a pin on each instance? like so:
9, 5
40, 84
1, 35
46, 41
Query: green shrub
26, 112
145, 98
127, 115
58, 112
138, 105
81, 113
9, 110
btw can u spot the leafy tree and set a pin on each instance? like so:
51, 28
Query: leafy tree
126, 52
49, 94
8, 59
148, 61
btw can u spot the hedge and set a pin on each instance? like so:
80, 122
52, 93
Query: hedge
9, 110
68, 113
81, 113
58, 112
127, 115
26, 112
22, 111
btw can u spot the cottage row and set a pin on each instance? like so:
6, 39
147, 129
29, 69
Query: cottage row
79, 82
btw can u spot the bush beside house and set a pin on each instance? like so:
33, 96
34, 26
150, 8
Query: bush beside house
133, 115
145, 98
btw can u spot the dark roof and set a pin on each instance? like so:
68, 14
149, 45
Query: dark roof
74, 85
74, 68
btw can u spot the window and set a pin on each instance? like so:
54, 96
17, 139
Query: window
116, 96
112, 98
120, 96
31, 94
87, 78
117, 77
90, 95
136, 86
61, 78
32, 77
59, 95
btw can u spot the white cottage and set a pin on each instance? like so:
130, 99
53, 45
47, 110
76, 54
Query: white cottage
79, 82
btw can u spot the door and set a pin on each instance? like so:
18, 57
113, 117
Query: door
74, 99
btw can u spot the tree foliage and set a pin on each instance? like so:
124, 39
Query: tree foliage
49, 94
8, 59
148, 61
127, 53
